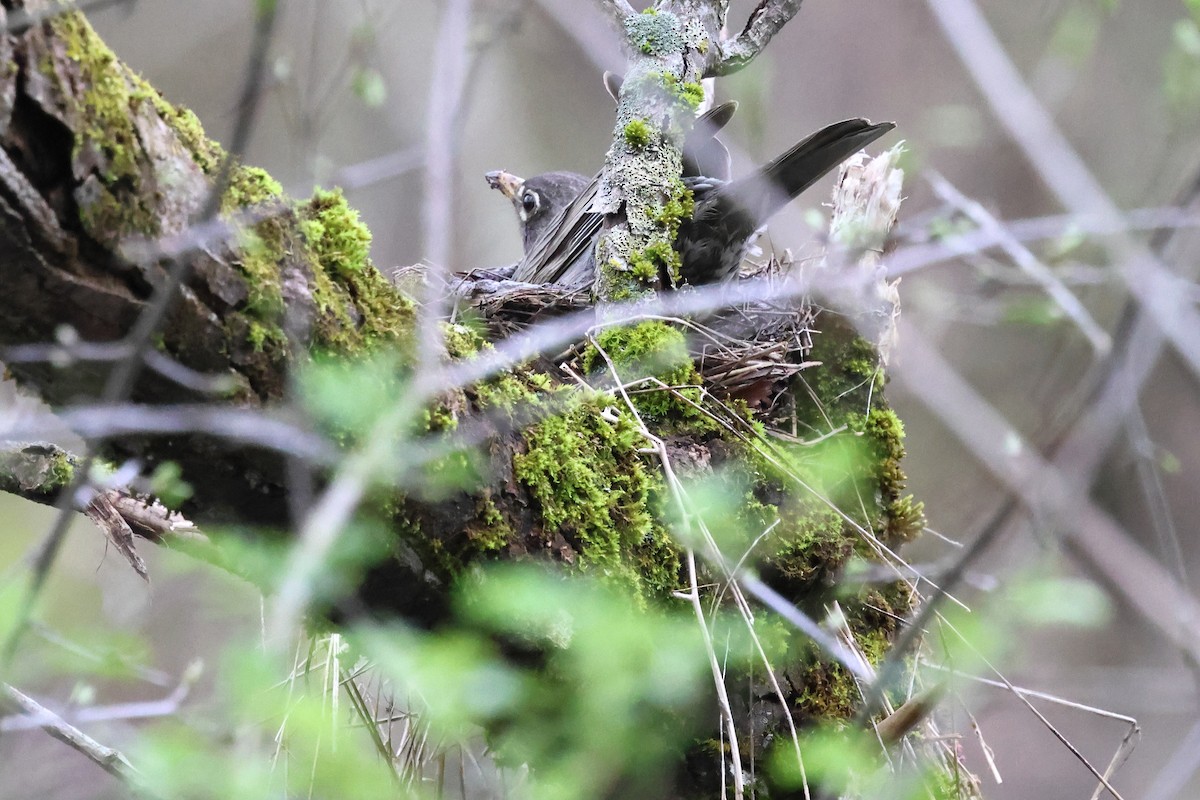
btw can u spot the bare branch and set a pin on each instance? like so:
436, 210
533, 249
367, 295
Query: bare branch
1090, 533
1029, 263
108, 759
616, 11
766, 20
925, 253
1064, 172
37, 471
446, 91
145, 709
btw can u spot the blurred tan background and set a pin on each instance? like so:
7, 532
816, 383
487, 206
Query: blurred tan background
349, 106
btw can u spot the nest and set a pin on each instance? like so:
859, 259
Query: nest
748, 351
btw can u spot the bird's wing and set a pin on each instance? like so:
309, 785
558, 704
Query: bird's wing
570, 237
703, 152
567, 237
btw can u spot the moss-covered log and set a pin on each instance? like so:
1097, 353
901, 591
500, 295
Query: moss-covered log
93, 160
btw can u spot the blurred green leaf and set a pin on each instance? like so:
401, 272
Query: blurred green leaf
1181, 69
619, 690
1036, 310
715, 501
1061, 601
176, 761
458, 677
369, 87
347, 397
832, 760
1068, 242
1077, 32
168, 485
949, 227
98, 653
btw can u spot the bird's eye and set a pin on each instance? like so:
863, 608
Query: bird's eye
529, 202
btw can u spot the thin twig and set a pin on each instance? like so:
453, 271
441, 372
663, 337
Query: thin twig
108, 759
1071, 306
446, 90
911, 257
114, 712
1167, 311
1032, 127
1095, 538
1024, 698
693, 595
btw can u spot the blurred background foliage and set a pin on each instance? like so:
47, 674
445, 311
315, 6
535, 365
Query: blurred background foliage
348, 106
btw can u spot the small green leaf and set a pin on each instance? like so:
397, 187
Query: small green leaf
1067, 601
369, 87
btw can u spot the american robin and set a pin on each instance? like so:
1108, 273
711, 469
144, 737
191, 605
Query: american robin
559, 230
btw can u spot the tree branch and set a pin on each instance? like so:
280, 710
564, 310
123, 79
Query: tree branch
766, 20
108, 759
616, 11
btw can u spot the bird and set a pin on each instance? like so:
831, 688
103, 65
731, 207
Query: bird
559, 230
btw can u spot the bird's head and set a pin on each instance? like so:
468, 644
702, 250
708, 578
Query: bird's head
539, 199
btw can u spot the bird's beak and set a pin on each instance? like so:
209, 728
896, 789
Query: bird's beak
506, 182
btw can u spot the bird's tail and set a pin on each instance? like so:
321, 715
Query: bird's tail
774, 185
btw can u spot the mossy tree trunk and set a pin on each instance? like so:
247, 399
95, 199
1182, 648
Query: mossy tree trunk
100, 181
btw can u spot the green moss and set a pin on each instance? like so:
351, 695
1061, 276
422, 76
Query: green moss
462, 341
693, 94
829, 691
440, 417
106, 135
680, 206
654, 349
637, 133
582, 466
656, 258
207, 154
849, 380
249, 186
690, 93
490, 532
814, 544
356, 305
36, 470
505, 392
265, 337
592, 487
260, 255
61, 472
336, 235
344, 278
904, 517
